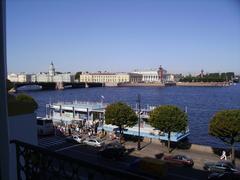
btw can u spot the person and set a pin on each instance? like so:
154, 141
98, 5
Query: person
223, 156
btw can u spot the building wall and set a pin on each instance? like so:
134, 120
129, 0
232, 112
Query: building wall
33, 78
42, 77
22, 128
24, 78
19, 77
13, 77
152, 75
110, 77
149, 76
66, 77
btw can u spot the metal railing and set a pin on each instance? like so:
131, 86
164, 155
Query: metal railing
34, 162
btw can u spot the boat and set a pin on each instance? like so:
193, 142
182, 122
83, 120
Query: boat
88, 114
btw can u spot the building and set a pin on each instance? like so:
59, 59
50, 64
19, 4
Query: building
153, 75
52, 76
22, 77
170, 78
63, 77
42, 77
13, 77
111, 77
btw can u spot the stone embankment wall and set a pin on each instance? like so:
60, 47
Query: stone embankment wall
198, 148
140, 84
202, 84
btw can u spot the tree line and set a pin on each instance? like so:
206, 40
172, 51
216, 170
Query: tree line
211, 77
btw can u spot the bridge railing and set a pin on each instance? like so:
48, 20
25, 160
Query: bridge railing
34, 162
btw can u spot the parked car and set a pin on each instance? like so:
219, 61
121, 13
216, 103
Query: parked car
224, 176
94, 142
112, 151
74, 139
180, 160
221, 167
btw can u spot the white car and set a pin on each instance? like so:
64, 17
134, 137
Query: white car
94, 142
74, 138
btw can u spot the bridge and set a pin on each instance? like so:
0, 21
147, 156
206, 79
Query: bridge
58, 85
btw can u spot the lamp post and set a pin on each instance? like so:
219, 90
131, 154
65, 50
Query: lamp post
139, 119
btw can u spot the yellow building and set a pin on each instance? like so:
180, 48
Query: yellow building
111, 77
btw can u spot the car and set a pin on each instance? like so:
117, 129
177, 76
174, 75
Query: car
112, 151
74, 139
180, 160
224, 176
221, 167
94, 142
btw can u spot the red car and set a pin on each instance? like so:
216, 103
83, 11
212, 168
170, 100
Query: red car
180, 160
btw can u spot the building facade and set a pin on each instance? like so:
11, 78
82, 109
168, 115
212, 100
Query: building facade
13, 77
22, 77
50, 76
64, 77
154, 75
111, 77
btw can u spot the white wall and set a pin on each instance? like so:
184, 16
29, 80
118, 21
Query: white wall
23, 128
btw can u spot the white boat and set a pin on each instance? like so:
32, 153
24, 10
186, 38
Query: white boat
92, 113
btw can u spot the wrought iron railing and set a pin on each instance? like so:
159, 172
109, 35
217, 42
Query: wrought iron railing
37, 163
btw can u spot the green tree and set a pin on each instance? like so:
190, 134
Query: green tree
121, 115
168, 119
225, 125
77, 75
21, 104
9, 85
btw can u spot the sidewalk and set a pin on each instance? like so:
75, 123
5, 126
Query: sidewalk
154, 150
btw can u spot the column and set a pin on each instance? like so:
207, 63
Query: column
4, 138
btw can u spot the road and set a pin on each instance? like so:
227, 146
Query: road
90, 154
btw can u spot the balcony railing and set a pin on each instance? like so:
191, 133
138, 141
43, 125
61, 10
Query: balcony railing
34, 162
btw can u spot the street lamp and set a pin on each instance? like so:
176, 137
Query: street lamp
139, 119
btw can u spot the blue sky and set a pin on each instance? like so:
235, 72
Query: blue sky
122, 35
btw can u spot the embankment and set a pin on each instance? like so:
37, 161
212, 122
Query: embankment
203, 84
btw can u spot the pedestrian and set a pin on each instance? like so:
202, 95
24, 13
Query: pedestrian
223, 156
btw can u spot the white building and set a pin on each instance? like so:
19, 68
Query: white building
22, 77
13, 77
65, 77
42, 77
110, 77
153, 75
170, 78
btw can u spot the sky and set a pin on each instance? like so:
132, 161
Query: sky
122, 35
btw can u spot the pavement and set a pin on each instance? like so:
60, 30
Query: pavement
155, 150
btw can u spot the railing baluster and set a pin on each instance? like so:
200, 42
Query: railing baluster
44, 164
18, 161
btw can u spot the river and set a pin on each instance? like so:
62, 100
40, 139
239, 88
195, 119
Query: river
201, 102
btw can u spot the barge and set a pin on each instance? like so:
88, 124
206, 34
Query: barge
92, 114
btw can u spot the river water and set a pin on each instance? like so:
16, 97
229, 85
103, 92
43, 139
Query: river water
201, 102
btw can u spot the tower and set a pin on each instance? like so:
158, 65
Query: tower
201, 75
160, 73
51, 70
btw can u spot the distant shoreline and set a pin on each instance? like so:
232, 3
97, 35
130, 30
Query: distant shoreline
203, 84
185, 84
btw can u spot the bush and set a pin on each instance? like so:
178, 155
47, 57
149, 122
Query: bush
9, 85
21, 104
